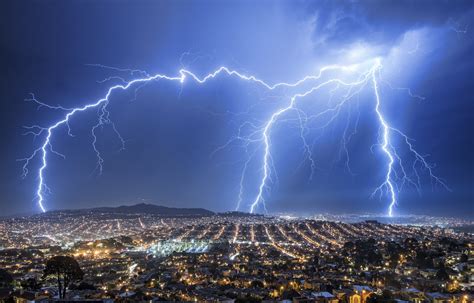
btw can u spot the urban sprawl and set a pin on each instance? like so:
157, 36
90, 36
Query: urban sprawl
232, 257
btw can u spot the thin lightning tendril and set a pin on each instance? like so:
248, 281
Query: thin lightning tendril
259, 134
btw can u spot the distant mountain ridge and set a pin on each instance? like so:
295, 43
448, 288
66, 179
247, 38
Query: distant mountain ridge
144, 208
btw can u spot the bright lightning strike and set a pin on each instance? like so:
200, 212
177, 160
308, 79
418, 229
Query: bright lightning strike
395, 173
385, 147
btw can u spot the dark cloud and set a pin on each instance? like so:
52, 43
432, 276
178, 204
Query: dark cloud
384, 22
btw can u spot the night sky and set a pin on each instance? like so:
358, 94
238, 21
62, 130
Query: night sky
171, 131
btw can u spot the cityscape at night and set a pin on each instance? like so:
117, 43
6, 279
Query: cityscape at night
129, 256
237, 151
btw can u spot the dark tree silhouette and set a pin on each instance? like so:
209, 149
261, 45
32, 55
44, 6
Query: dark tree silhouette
442, 274
385, 297
366, 253
257, 284
65, 269
423, 259
349, 245
5, 279
31, 284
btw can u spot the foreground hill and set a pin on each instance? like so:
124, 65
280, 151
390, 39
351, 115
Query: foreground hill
144, 208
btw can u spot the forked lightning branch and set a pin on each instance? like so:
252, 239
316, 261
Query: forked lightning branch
398, 172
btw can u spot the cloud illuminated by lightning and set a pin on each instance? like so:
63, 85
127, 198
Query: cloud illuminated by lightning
365, 74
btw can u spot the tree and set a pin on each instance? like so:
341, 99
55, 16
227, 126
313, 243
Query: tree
31, 284
442, 274
5, 279
349, 245
257, 284
315, 261
385, 297
423, 259
65, 269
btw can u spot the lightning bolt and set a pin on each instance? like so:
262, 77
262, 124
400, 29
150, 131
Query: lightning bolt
385, 145
396, 175
390, 183
266, 133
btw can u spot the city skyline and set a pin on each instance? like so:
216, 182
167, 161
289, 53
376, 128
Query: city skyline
137, 254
